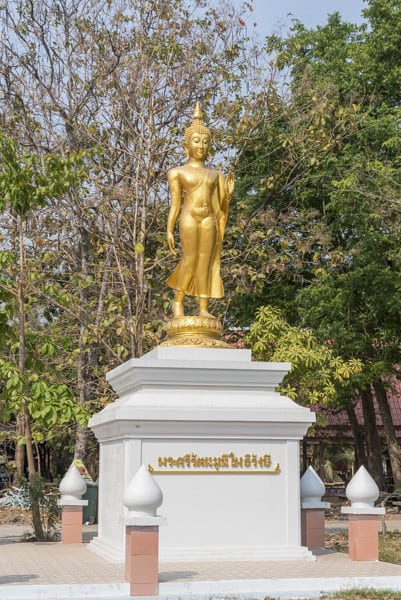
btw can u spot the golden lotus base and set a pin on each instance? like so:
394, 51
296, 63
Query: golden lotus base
198, 332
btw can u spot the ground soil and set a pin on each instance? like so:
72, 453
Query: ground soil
336, 502
8, 514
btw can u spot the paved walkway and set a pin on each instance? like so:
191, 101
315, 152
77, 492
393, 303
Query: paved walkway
55, 571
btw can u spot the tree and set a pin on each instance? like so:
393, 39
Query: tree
364, 219
286, 139
121, 78
317, 375
28, 392
344, 282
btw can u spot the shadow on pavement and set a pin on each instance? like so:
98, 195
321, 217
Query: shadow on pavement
9, 579
172, 575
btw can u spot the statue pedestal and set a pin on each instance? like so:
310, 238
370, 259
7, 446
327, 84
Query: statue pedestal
222, 445
198, 332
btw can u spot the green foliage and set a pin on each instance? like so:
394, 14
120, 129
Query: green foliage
95, 255
30, 180
314, 227
364, 594
353, 299
317, 375
49, 403
324, 192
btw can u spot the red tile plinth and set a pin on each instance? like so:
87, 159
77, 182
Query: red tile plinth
363, 537
142, 560
71, 525
312, 528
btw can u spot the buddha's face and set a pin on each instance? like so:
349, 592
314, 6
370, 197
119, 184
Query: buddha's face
198, 146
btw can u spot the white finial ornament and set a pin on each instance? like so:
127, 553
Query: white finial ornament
312, 489
143, 496
362, 490
72, 486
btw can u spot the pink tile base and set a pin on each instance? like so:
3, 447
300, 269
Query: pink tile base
312, 528
144, 589
363, 537
71, 525
142, 560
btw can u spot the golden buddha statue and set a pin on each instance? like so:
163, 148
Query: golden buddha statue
206, 195
203, 195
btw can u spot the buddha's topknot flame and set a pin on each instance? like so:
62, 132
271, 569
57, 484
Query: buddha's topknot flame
197, 126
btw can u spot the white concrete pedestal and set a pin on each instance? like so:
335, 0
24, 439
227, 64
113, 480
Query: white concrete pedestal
223, 446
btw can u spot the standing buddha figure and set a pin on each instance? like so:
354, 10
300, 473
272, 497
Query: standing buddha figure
203, 195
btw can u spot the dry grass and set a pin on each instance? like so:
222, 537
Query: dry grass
389, 545
363, 595
9, 514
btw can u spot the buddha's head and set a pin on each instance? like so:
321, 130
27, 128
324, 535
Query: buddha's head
197, 137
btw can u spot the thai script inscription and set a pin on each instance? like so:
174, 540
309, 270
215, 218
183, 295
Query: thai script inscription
229, 462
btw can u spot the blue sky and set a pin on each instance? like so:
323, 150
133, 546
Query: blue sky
271, 15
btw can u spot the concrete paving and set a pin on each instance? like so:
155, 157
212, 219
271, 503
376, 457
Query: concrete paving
53, 571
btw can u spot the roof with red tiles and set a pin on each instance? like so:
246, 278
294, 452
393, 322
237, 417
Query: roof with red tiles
338, 422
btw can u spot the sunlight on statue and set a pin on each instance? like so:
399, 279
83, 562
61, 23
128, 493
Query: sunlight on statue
205, 195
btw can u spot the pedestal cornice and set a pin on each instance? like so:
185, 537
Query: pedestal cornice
178, 389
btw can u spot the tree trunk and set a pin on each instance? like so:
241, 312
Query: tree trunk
304, 456
83, 374
81, 443
389, 431
374, 446
20, 448
35, 483
360, 452
88, 352
25, 417
20, 421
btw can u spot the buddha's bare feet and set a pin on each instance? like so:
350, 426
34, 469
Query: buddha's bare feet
178, 309
203, 304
